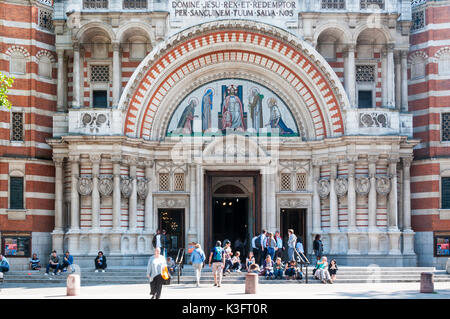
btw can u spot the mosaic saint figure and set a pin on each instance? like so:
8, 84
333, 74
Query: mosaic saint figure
275, 118
207, 105
187, 118
232, 111
255, 106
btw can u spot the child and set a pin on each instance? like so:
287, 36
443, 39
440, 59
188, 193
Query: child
278, 269
171, 265
35, 263
290, 270
332, 269
236, 262
254, 269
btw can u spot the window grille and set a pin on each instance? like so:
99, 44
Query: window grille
367, 4
17, 126
286, 182
134, 4
418, 20
178, 182
16, 193
46, 20
47, 2
100, 73
95, 4
445, 192
163, 182
333, 4
445, 127
365, 73
301, 181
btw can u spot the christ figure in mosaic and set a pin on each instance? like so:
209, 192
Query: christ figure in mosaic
232, 111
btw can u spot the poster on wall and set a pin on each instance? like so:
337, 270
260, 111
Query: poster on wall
232, 105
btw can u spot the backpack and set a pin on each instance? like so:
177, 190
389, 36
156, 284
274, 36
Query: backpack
217, 255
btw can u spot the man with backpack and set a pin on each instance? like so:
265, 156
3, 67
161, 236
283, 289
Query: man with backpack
218, 262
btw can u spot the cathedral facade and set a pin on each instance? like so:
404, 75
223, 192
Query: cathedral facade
214, 120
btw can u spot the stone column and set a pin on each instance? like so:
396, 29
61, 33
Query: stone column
404, 90
116, 232
398, 80
148, 214
334, 227
192, 233
350, 75
58, 232
351, 204
390, 76
76, 103
393, 231
408, 234
73, 233
95, 195
132, 203
372, 226
317, 229
116, 74
60, 87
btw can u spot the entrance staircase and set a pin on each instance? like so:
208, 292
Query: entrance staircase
137, 275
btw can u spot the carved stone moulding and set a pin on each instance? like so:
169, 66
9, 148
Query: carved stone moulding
142, 187
294, 203
171, 203
105, 185
341, 186
362, 185
383, 185
324, 187
84, 185
126, 186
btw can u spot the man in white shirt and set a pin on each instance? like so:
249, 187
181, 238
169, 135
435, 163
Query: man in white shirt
291, 244
263, 251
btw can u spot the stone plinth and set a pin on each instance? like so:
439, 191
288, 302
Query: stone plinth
73, 285
251, 283
426, 282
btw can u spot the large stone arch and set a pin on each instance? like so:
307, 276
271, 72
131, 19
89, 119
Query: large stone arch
295, 70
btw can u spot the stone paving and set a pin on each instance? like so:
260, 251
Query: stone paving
235, 291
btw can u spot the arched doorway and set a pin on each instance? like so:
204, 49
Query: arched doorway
232, 208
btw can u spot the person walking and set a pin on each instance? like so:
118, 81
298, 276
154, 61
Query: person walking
291, 244
227, 253
155, 266
198, 258
218, 262
318, 247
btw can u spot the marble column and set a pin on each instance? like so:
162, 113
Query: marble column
60, 85
398, 80
76, 102
58, 232
73, 233
350, 75
116, 207
317, 229
148, 213
372, 225
404, 90
390, 76
116, 74
408, 234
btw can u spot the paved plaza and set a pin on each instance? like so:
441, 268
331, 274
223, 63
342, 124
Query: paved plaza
231, 292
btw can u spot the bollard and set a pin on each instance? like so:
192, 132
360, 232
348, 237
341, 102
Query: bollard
251, 283
73, 285
426, 282
1, 277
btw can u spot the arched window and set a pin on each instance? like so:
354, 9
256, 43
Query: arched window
45, 67
444, 64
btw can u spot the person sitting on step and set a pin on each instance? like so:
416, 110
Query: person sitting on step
291, 270
267, 270
100, 262
236, 261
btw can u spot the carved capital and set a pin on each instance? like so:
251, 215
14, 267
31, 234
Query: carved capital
95, 158
406, 161
58, 160
74, 158
373, 159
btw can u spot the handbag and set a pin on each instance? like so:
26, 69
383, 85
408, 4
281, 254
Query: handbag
165, 273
